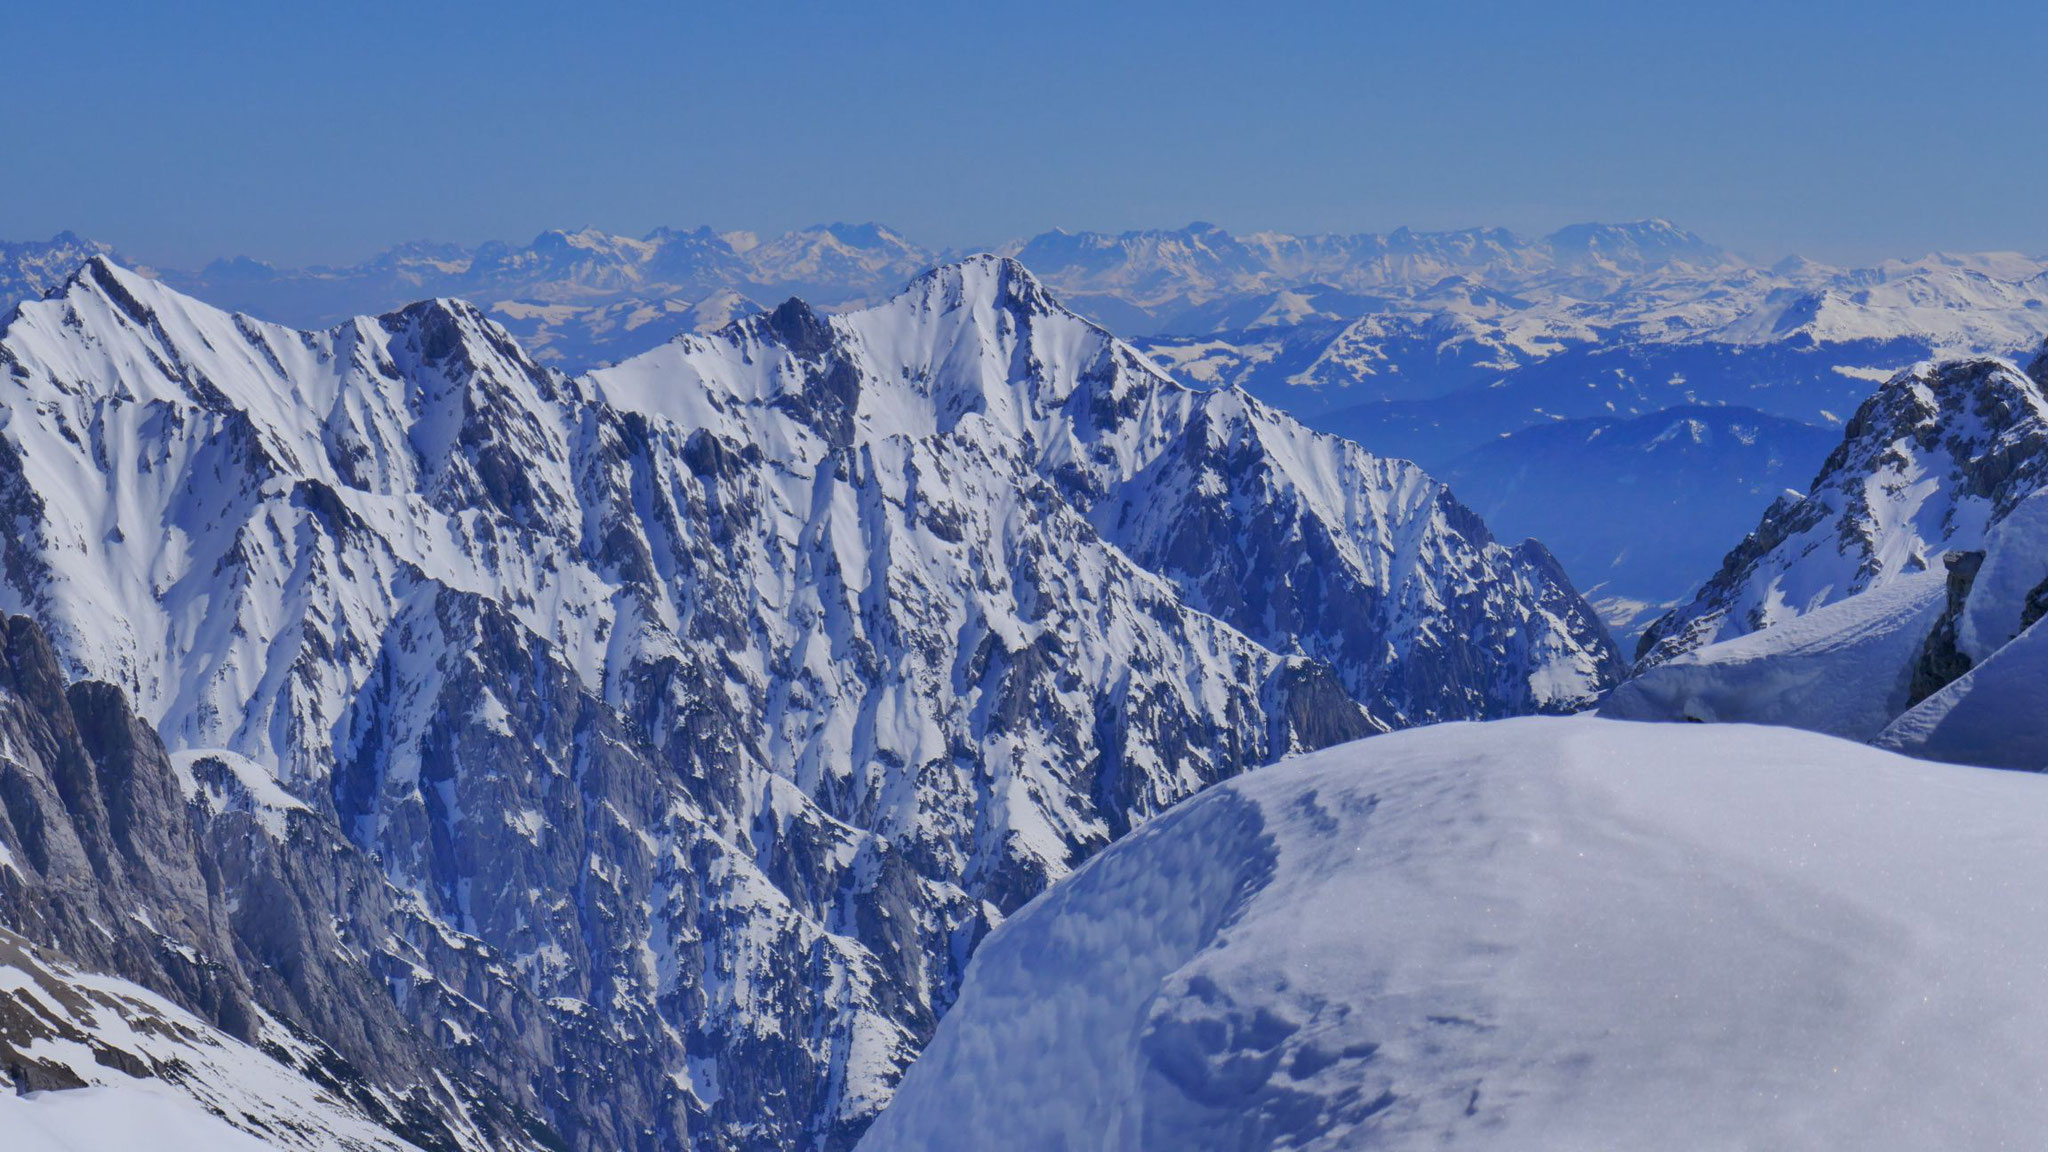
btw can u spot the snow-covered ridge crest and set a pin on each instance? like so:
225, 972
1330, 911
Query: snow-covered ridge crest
833, 637
189, 450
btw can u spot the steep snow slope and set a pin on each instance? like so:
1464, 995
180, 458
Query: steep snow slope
725, 698
1845, 669
117, 1116
110, 1065
1533, 934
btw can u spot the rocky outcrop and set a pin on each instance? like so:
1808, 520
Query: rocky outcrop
243, 908
1942, 659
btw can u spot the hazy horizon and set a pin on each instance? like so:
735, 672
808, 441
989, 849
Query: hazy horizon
301, 135
143, 257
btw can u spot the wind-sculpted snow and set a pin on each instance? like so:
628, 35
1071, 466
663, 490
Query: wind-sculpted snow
1540, 933
719, 702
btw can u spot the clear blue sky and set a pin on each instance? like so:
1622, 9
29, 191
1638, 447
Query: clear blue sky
298, 131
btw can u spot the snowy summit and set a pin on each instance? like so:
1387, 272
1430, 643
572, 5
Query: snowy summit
1530, 934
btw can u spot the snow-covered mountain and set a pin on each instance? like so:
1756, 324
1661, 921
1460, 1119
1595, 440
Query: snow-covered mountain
1433, 370
1892, 587
692, 720
580, 298
1165, 272
599, 334
1931, 464
582, 268
1548, 933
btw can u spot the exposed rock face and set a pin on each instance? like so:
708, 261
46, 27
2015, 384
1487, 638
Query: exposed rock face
1941, 657
214, 890
652, 748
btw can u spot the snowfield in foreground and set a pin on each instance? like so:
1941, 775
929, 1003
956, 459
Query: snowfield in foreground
1530, 934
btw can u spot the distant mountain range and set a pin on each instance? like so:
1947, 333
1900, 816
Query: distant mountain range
1155, 279
1482, 299
1640, 509
1430, 346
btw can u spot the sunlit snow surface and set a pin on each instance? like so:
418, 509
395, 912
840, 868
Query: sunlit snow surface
1993, 715
118, 1116
1844, 669
1532, 934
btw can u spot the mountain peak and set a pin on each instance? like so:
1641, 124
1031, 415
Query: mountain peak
799, 328
101, 277
867, 234
99, 268
1001, 281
